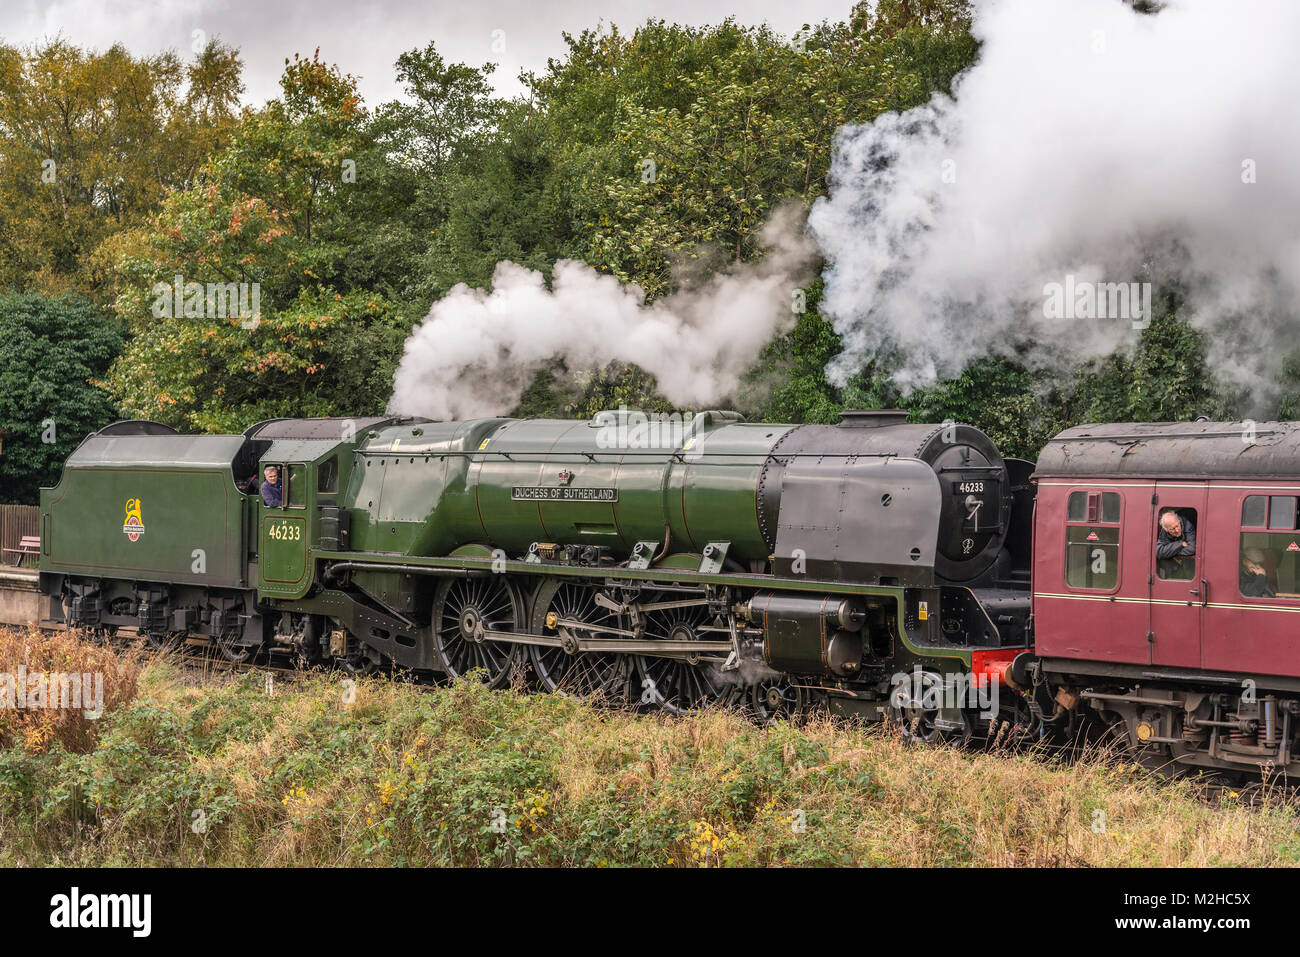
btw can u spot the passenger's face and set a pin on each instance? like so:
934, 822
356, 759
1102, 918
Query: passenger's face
1174, 526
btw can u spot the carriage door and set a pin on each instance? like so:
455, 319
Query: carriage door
282, 549
1179, 590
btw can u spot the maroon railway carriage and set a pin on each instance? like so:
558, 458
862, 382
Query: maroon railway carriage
1194, 660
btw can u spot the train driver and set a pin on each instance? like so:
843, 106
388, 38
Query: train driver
271, 493
1175, 542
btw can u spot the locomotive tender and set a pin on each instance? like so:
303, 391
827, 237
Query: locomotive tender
878, 567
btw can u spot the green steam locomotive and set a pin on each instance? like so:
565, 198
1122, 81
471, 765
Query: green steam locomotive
615, 558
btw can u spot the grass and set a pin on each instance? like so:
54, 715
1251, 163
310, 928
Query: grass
215, 771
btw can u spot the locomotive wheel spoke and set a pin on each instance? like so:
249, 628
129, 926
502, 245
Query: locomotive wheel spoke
775, 699
592, 675
673, 684
464, 606
912, 709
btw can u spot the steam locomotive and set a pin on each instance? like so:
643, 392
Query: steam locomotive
875, 567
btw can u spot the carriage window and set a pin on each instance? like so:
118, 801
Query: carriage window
1281, 512
1269, 558
1078, 507
1176, 544
1093, 507
1253, 510
1092, 540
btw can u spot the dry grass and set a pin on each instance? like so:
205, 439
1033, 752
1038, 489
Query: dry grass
31, 659
462, 775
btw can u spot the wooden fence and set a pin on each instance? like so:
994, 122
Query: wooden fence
15, 522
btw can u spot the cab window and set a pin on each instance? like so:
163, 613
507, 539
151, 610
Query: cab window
327, 475
296, 493
1092, 527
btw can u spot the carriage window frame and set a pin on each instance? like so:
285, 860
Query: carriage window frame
1163, 565
1260, 528
1105, 512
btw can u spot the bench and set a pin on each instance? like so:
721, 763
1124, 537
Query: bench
27, 545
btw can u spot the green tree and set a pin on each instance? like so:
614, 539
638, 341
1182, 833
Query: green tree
51, 352
669, 147
274, 210
1165, 379
91, 142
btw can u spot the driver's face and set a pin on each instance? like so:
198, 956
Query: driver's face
272, 474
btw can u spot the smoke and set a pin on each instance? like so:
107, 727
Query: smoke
476, 351
1089, 141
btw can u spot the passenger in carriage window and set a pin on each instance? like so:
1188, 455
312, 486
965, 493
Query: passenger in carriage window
1176, 543
1254, 574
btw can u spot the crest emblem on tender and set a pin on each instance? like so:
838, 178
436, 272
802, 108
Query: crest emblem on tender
134, 524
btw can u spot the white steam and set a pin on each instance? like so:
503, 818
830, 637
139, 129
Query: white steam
1088, 140
476, 351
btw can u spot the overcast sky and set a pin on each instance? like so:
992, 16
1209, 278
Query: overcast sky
364, 38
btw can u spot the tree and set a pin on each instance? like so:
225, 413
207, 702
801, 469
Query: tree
273, 214
91, 142
669, 147
51, 352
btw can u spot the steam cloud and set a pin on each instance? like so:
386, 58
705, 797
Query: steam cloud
476, 351
1090, 140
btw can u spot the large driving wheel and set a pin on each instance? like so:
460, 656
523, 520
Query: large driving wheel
586, 674
464, 608
678, 685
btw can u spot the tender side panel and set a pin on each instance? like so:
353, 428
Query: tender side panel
157, 524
